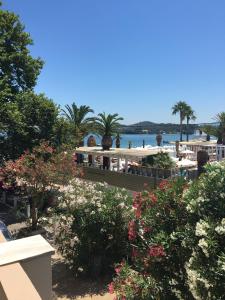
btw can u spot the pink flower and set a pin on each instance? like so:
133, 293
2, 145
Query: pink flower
132, 231
118, 269
153, 198
156, 251
111, 288
135, 194
136, 204
163, 185
138, 213
147, 229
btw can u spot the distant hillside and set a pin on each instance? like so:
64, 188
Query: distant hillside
150, 127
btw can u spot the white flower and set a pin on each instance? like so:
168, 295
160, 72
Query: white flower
220, 229
183, 243
190, 208
202, 243
72, 243
221, 264
121, 205
98, 204
201, 228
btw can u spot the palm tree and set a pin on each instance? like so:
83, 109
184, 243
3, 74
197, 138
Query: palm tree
107, 126
180, 107
221, 128
77, 118
217, 131
190, 115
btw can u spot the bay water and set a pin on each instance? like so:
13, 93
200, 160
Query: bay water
149, 139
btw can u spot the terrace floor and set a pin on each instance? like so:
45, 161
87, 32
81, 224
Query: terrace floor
67, 287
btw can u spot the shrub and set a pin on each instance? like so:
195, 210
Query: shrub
39, 173
178, 240
156, 233
159, 161
206, 234
91, 230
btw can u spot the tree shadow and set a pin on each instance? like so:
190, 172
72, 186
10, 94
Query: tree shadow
65, 284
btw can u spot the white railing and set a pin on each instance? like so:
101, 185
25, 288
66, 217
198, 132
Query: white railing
220, 152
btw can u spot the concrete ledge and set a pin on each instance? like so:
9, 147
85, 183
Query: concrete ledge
23, 249
15, 284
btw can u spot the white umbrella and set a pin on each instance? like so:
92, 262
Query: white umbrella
186, 163
187, 151
169, 150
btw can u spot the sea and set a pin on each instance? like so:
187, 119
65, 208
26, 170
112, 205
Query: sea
149, 139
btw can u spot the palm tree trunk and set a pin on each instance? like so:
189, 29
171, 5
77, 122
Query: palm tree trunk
181, 137
187, 134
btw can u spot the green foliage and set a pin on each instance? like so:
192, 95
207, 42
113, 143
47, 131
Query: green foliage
156, 234
155, 128
159, 161
92, 226
26, 118
177, 234
217, 131
18, 69
181, 108
34, 119
107, 124
190, 115
185, 111
205, 234
80, 124
39, 173
210, 130
63, 134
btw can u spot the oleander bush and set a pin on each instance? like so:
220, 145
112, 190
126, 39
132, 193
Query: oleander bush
156, 233
177, 236
39, 174
91, 226
206, 234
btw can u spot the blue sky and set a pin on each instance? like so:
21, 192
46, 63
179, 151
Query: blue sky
136, 58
